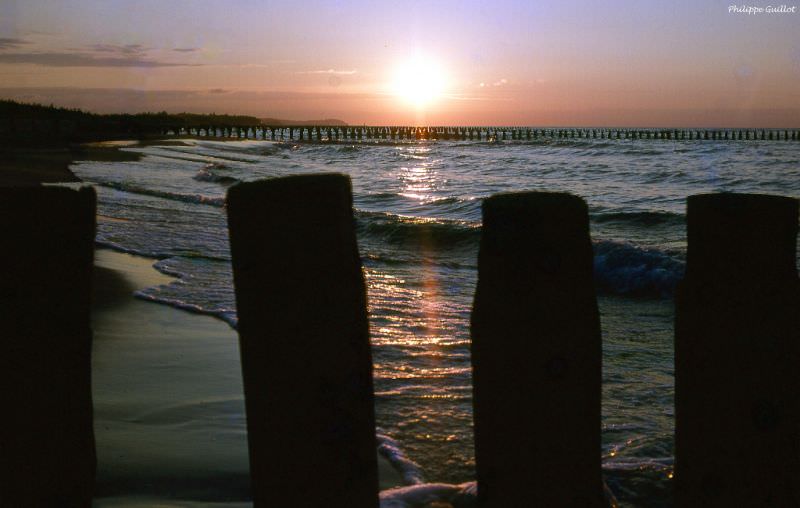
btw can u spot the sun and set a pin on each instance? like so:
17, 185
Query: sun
419, 82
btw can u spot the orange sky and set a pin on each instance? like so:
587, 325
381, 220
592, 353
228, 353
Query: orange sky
504, 62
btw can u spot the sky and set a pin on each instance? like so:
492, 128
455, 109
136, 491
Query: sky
640, 63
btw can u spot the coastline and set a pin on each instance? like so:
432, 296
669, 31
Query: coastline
34, 165
168, 398
168, 402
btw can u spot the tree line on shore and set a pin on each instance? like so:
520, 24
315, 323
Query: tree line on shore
39, 124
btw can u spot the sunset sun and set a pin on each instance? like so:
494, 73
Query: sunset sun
419, 82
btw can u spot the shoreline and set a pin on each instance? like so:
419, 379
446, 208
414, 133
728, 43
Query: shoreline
169, 409
168, 397
35, 165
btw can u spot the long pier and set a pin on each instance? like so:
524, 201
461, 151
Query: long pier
348, 133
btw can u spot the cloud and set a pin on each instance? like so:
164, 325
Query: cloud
330, 71
500, 82
185, 50
11, 42
53, 59
92, 55
126, 49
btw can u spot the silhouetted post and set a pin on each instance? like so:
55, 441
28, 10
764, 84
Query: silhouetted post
737, 353
536, 355
47, 454
304, 342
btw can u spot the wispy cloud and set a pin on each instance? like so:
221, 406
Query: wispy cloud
331, 71
499, 82
92, 55
11, 42
118, 49
55, 59
185, 50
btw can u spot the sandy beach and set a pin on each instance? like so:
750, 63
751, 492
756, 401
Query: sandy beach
169, 414
169, 406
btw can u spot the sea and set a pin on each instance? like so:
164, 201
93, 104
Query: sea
418, 216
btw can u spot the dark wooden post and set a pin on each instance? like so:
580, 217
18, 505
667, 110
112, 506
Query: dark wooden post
536, 355
304, 341
47, 454
737, 354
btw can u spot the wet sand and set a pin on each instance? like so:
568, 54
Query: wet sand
169, 406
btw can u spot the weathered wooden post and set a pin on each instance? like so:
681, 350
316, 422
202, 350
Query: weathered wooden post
47, 453
304, 341
536, 355
737, 352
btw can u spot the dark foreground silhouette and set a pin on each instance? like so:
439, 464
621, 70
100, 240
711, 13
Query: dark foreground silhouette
737, 354
536, 355
47, 455
304, 341
536, 350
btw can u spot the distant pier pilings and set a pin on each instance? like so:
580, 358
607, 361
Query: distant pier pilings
330, 133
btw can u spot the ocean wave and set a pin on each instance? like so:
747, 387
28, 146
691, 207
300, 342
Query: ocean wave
645, 218
625, 269
391, 451
107, 244
620, 268
416, 232
379, 196
217, 201
635, 150
164, 263
228, 316
208, 174
463, 495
